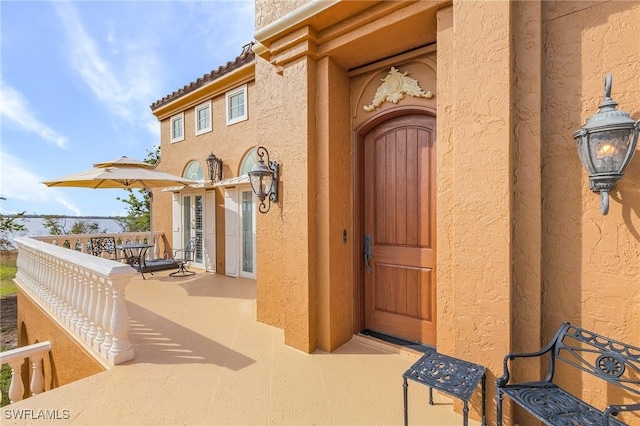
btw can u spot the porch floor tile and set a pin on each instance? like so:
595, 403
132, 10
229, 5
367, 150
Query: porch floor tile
203, 359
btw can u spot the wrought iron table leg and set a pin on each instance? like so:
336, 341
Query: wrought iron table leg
498, 408
430, 396
484, 405
405, 385
465, 414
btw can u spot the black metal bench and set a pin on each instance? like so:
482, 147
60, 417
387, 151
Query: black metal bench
615, 362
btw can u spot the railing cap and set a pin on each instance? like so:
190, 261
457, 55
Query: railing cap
24, 352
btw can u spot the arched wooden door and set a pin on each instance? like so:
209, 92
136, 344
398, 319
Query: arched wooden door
399, 222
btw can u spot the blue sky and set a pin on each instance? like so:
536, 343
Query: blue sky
77, 79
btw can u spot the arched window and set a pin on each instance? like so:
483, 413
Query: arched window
248, 162
194, 172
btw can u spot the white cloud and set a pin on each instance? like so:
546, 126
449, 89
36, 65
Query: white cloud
15, 108
18, 183
120, 74
234, 19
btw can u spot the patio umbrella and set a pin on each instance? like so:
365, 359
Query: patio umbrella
121, 173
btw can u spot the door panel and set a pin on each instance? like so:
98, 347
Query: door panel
399, 213
199, 229
193, 225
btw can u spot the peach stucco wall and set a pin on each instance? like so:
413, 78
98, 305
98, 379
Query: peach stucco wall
522, 245
506, 114
591, 273
67, 362
306, 267
230, 143
286, 284
475, 176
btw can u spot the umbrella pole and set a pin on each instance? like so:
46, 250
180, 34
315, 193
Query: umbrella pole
152, 241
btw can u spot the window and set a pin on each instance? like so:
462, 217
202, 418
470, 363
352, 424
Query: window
249, 160
237, 105
194, 172
203, 118
177, 128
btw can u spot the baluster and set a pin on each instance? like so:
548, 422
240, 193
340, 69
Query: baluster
86, 306
72, 317
64, 290
16, 389
53, 287
79, 302
49, 280
106, 319
121, 349
93, 303
97, 341
59, 283
37, 376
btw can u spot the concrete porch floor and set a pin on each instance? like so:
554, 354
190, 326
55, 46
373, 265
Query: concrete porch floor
203, 359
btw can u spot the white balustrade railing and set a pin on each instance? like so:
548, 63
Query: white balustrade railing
83, 293
15, 358
82, 242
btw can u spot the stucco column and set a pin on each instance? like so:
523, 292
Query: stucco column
286, 277
475, 174
333, 206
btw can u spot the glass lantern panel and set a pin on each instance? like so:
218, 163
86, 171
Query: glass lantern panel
608, 150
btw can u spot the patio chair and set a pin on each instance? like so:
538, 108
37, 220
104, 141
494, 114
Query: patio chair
101, 245
183, 256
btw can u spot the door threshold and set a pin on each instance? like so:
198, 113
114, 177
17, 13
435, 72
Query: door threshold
397, 341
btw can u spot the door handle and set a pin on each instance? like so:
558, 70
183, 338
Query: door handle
367, 252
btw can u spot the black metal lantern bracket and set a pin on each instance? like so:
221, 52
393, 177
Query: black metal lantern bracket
606, 144
215, 167
264, 179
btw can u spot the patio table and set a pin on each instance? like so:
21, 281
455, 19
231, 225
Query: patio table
452, 376
135, 255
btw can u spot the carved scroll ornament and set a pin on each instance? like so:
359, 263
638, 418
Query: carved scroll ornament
395, 85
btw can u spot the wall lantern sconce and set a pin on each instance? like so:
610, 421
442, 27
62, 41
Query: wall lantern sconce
606, 144
264, 179
215, 168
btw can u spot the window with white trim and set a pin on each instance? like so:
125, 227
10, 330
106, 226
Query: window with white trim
249, 160
177, 128
203, 118
236, 105
194, 171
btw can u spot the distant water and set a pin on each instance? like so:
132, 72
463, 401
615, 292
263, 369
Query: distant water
36, 228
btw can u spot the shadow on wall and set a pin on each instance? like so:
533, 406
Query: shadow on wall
566, 229
627, 193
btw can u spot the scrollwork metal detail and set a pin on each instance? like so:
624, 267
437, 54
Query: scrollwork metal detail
610, 364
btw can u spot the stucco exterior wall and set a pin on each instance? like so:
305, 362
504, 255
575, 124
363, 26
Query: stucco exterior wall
286, 283
521, 243
591, 262
336, 237
67, 362
268, 11
230, 143
475, 179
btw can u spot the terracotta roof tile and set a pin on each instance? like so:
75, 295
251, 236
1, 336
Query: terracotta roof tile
246, 57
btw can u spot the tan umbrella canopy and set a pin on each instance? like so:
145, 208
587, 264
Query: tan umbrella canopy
121, 173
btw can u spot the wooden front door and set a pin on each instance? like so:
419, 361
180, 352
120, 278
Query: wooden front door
399, 221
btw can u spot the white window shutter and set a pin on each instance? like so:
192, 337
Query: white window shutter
210, 231
230, 232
